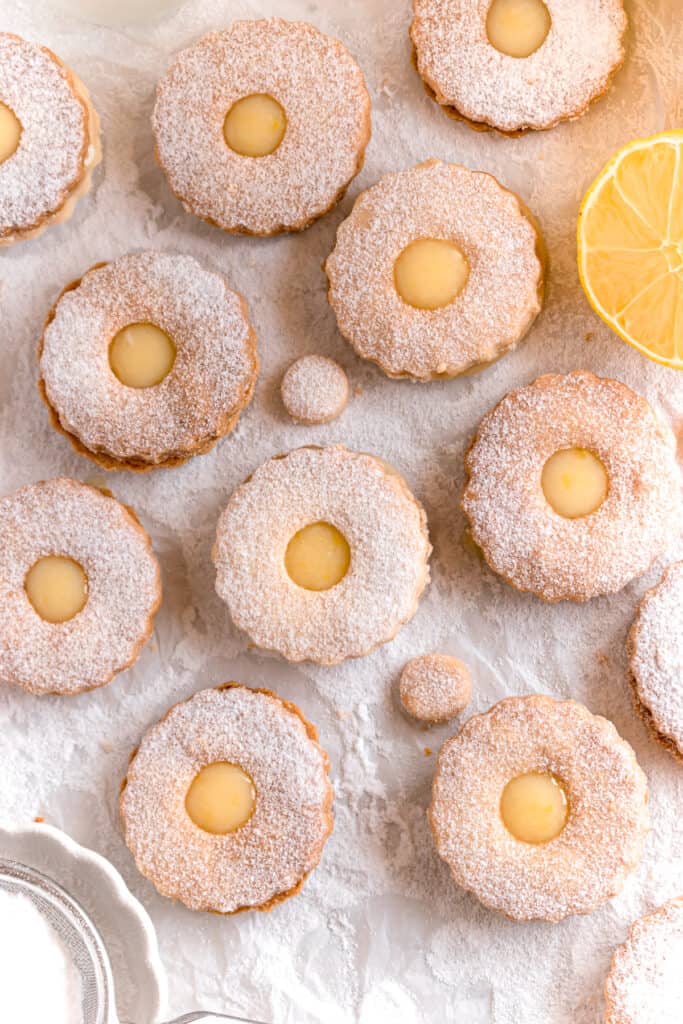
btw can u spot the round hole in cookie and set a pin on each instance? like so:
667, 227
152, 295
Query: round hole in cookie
318, 557
534, 807
221, 798
141, 355
574, 482
10, 132
517, 28
255, 125
57, 587
430, 273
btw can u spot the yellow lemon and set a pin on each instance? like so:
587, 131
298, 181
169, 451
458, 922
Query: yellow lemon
630, 246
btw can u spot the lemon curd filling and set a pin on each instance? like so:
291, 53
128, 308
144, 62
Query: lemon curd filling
141, 355
318, 557
57, 587
221, 798
430, 273
255, 125
10, 133
517, 28
574, 482
534, 807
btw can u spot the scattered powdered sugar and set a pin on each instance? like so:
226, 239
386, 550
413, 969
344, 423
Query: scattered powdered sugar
384, 525
282, 841
435, 687
499, 302
315, 389
212, 379
574, 65
656, 650
645, 984
379, 927
522, 537
64, 517
588, 862
54, 141
40, 981
326, 102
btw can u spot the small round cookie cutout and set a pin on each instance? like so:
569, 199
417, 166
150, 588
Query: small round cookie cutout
644, 984
147, 361
655, 649
49, 139
539, 808
227, 803
79, 587
517, 65
322, 554
573, 489
437, 271
261, 128
435, 688
315, 390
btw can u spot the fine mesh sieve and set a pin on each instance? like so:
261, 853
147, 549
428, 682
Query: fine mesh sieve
84, 944
77, 932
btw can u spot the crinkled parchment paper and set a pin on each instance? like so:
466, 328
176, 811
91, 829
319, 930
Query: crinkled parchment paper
379, 932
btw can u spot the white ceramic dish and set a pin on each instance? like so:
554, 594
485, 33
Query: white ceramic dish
127, 931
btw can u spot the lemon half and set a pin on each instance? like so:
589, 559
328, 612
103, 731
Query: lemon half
630, 246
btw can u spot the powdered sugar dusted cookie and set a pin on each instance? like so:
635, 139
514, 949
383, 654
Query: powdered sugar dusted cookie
260, 128
147, 361
655, 647
322, 554
314, 390
79, 587
437, 271
516, 65
435, 687
49, 139
227, 803
573, 487
519, 810
645, 984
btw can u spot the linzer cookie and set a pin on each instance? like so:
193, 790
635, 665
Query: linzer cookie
438, 271
516, 65
322, 554
644, 983
79, 587
573, 489
655, 647
147, 361
49, 139
227, 803
519, 810
261, 128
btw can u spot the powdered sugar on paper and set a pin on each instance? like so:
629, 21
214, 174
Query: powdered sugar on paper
379, 930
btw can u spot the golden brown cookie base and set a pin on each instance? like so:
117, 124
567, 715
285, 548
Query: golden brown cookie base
544, 382
665, 742
482, 126
486, 893
281, 229
419, 590
144, 637
109, 462
312, 734
83, 182
541, 253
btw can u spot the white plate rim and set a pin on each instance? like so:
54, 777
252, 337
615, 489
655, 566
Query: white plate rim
118, 888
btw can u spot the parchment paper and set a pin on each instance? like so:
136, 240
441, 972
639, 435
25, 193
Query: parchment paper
379, 932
